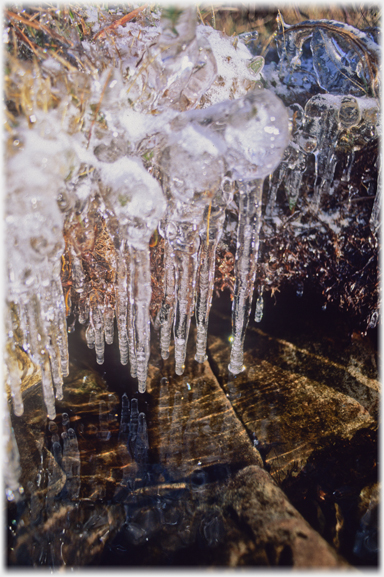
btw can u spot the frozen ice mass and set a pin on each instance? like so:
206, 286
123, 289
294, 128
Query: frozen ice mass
159, 132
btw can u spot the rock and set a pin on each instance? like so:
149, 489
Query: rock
72, 535
191, 423
366, 545
59, 521
300, 388
275, 525
195, 493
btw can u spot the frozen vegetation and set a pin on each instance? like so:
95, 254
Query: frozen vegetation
157, 131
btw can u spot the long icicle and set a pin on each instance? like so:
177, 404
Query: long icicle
248, 231
122, 304
168, 305
210, 236
38, 342
140, 281
186, 270
131, 315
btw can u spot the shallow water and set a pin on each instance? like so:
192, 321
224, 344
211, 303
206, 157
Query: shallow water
160, 484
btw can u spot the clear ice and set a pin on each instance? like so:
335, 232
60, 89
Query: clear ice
136, 200
34, 238
165, 143
193, 168
210, 234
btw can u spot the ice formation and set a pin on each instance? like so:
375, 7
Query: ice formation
158, 132
35, 243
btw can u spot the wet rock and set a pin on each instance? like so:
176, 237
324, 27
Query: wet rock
366, 545
244, 520
65, 468
191, 422
189, 489
71, 535
300, 387
276, 527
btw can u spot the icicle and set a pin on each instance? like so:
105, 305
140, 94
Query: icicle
11, 462
276, 179
210, 236
138, 203
249, 224
256, 134
346, 176
321, 123
78, 278
348, 115
293, 182
131, 331
61, 331
39, 354
46, 381
259, 309
140, 281
167, 310
98, 332
293, 163
57, 377
186, 268
293, 158
90, 336
13, 377
53, 314
109, 328
83, 315
252, 133
180, 269
122, 304
34, 218
328, 116
193, 168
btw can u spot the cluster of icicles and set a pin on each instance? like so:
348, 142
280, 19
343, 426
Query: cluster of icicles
205, 154
328, 123
160, 161
200, 157
344, 61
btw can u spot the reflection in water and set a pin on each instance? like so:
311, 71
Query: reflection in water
87, 466
71, 464
129, 482
100, 495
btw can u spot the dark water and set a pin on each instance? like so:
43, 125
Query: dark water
142, 480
